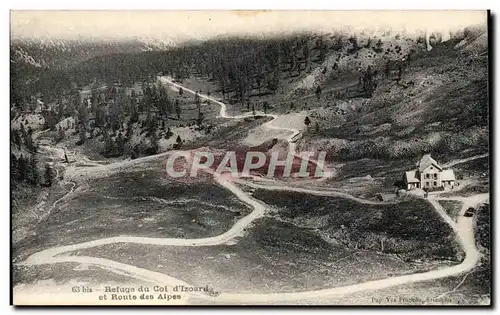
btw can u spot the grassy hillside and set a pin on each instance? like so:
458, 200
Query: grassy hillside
439, 106
410, 229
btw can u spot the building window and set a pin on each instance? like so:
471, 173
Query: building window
435, 175
426, 175
435, 183
426, 183
432, 168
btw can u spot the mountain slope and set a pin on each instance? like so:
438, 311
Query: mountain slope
440, 105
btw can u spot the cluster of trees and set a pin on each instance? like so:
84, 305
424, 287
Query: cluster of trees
368, 78
23, 138
240, 66
118, 142
24, 169
24, 166
243, 66
112, 112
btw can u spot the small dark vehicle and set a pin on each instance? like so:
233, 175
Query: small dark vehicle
470, 212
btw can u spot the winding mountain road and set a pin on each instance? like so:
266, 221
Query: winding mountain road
223, 114
463, 228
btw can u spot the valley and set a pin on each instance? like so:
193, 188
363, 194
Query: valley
105, 211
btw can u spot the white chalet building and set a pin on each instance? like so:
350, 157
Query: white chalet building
429, 174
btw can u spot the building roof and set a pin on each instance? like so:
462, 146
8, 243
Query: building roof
411, 177
427, 161
447, 175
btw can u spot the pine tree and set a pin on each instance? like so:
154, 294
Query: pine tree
164, 102
305, 52
22, 130
135, 153
134, 111
108, 143
17, 138
154, 143
26, 139
408, 58
258, 80
200, 119
169, 133
34, 177
49, 175
178, 108
368, 84
82, 134
22, 167
318, 92
197, 101
307, 121
14, 168
273, 82
154, 96
120, 143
